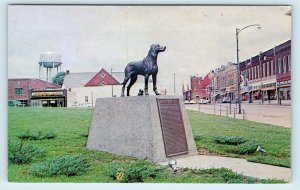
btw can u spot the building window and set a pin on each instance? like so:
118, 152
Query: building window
272, 67
18, 90
289, 62
268, 69
279, 65
198, 81
284, 64
86, 98
264, 68
195, 88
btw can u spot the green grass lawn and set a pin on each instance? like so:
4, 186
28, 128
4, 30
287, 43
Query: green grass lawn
276, 140
72, 127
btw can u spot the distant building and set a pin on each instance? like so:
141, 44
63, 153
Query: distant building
187, 94
35, 91
268, 75
84, 88
198, 89
225, 87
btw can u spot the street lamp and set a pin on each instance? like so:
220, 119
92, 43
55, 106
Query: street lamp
237, 60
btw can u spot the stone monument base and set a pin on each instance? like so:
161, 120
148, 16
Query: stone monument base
155, 128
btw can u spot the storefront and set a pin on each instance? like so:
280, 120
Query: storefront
48, 98
269, 91
284, 88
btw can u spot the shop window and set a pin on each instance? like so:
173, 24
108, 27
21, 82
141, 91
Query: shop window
18, 90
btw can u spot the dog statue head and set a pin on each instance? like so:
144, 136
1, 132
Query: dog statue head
155, 49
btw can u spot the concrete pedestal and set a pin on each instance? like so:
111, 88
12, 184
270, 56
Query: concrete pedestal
131, 126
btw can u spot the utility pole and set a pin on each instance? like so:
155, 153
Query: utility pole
174, 84
112, 86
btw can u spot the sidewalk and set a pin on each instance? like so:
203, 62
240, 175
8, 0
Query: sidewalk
238, 165
264, 113
272, 102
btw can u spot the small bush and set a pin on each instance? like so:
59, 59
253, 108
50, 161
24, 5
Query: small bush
230, 140
134, 172
63, 165
245, 148
21, 153
224, 174
266, 159
198, 137
36, 135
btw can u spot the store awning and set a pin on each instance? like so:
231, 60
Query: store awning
269, 88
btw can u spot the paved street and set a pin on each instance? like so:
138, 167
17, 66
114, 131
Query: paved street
265, 113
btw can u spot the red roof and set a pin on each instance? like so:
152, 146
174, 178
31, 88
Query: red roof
102, 78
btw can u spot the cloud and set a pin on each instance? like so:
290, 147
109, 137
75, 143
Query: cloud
198, 38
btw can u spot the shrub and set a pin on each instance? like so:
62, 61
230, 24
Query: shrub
230, 140
21, 153
36, 135
224, 174
245, 148
198, 137
133, 172
266, 159
62, 165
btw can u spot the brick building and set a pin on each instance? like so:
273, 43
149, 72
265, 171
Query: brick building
21, 88
267, 74
199, 88
226, 82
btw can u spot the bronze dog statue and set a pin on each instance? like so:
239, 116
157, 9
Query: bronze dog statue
145, 67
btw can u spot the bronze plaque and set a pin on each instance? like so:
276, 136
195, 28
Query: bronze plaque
172, 127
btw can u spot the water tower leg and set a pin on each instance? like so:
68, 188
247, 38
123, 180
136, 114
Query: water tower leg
39, 71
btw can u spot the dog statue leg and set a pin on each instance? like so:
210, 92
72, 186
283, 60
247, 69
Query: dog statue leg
124, 84
123, 89
154, 85
132, 81
146, 84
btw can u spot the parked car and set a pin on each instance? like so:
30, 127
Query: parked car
192, 102
203, 101
225, 100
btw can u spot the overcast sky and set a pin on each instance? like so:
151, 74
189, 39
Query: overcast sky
198, 38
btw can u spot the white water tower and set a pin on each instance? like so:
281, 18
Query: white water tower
49, 65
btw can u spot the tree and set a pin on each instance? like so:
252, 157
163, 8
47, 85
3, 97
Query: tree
59, 78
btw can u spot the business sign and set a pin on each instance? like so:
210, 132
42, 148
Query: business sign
40, 94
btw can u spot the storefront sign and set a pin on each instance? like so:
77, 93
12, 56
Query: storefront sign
39, 94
